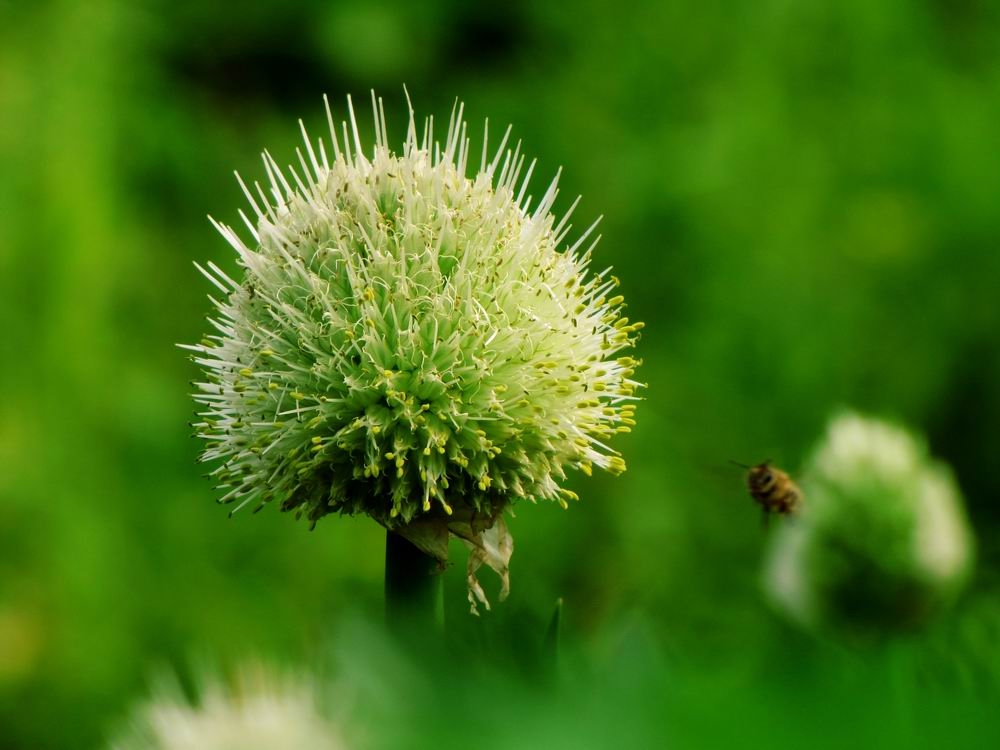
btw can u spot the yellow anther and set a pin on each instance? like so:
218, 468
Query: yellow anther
616, 465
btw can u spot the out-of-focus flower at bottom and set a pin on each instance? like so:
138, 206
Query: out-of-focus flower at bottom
883, 541
257, 711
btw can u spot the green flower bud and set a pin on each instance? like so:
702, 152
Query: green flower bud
882, 542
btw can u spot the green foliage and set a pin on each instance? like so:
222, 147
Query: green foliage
800, 198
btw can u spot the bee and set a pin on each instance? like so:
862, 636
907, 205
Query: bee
773, 490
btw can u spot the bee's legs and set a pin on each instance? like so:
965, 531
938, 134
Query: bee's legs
765, 518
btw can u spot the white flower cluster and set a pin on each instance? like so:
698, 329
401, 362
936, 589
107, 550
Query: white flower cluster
260, 712
404, 340
882, 541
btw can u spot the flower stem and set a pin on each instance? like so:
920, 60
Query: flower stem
414, 588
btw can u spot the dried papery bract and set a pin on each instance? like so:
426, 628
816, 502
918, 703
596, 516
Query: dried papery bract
410, 341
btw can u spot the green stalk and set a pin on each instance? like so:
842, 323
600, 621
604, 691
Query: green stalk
414, 588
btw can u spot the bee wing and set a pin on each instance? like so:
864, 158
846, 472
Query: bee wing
798, 501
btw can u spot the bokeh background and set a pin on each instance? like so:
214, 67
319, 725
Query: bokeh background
801, 199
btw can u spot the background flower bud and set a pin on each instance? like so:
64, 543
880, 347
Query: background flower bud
882, 542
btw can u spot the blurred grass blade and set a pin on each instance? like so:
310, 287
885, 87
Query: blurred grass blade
550, 646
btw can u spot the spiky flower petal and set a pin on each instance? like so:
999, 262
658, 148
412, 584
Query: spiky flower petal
407, 341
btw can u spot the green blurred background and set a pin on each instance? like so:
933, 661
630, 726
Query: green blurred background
802, 201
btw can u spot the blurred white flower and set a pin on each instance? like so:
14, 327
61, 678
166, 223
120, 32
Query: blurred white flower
883, 540
258, 712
